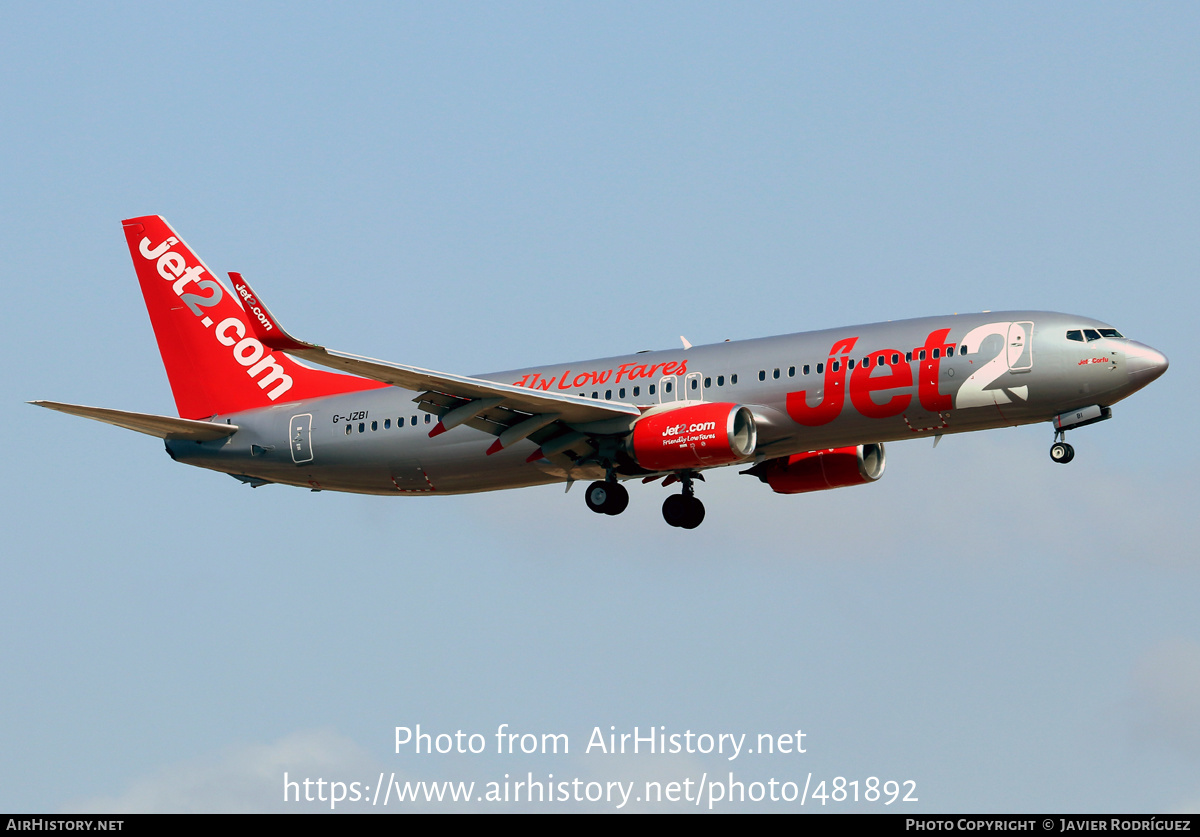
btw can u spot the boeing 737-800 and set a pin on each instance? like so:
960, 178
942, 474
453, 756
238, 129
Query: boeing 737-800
802, 412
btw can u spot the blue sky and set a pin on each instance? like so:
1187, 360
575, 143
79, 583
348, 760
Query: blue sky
481, 187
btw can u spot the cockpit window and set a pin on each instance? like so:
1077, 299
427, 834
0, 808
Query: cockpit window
1075, 334
1110, 332
1091, 334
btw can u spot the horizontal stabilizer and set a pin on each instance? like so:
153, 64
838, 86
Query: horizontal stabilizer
164, 427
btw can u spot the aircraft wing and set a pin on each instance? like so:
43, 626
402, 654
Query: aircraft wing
464, 392
164, 427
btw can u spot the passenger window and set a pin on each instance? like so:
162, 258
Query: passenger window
895, 358
596, 396
937, 353
348, 429
608, 395
791, 371
820, 369
1091, 334
733, 378
621, 393
922, 354
837, 364
806, 369
762, 374
707, 383
374, 426
849, 364
414, 421
667, 386
908, 357
428, 418
387, 424
720, 380
867, 362
950, 352
637, 391
362, 427
775, 374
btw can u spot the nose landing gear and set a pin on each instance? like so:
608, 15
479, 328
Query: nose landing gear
1060, 451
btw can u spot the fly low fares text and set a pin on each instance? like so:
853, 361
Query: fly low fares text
698, 788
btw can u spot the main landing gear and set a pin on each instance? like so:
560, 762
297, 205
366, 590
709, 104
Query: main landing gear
607, 497
684, 510
1060, 451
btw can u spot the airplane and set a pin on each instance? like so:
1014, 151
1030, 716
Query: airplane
803, 412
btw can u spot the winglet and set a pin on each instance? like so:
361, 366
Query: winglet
266, 327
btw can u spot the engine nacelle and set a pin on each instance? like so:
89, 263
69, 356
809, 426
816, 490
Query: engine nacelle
821, 469
699, 436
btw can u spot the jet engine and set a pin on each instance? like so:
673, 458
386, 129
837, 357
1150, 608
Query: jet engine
698, 436
821, 469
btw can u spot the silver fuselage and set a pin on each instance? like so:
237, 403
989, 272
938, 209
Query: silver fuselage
808, 391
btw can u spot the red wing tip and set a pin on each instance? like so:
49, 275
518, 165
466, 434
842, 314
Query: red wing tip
438, 430
495, 448
535, 456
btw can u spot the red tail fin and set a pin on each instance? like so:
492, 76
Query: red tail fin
214, 362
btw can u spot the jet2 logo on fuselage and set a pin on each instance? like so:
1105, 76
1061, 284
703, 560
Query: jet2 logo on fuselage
891, 370
883, 374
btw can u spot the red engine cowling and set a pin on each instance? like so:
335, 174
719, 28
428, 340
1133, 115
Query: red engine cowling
700, 436
821, 469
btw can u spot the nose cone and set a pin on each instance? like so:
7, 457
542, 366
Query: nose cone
1143, 363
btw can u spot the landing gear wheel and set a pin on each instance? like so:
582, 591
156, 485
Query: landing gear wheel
694, 514
606, 497
673, 510
1062, 453
618, 499
683, 511
596, 496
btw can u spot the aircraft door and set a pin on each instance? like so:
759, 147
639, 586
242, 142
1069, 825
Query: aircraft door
1020, 347
300, 438
692, 390
668, 387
